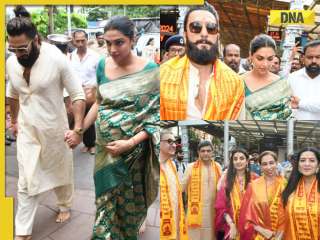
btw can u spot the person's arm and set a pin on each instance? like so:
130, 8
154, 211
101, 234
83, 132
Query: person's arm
91, 116
12, 98
74, 88
268, 234
118, 147
310, 104
14, 110
233, 229
78, 107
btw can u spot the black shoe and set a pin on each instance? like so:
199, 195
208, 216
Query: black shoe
8, 143
11, 139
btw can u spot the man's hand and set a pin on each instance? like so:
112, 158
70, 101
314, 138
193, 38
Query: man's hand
294, 102
118, 147
72, 138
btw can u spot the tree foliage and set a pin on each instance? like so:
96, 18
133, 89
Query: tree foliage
95, 13
40, 19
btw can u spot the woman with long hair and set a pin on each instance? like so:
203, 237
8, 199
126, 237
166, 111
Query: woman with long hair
260, 210
267, 94
301, 197
126, 112
232, 187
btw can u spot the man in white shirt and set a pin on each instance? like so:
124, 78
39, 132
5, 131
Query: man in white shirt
85, 61
305, 84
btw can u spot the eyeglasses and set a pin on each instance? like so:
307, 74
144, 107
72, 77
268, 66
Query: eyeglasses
196, 27
20, 49
179, 51
169, 141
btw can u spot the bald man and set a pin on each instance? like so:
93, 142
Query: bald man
231, 57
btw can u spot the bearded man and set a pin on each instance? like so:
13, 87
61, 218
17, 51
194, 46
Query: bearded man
198, 85
37, 73
305, 84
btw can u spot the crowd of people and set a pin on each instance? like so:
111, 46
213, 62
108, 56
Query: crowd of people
197, 84
254, 197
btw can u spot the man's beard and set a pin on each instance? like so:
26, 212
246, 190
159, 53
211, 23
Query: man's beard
28, 60
202, 56
180, 158
234, 66
313, 69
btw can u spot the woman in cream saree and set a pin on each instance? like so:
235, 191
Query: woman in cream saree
267, 97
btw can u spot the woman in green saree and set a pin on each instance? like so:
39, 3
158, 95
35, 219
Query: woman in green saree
267, 94
126, 170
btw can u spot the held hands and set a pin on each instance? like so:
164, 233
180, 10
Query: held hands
118, 147
72, 138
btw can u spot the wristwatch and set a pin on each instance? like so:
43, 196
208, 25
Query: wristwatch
78, 131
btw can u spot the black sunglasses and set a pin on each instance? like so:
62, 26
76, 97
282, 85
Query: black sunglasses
196, 27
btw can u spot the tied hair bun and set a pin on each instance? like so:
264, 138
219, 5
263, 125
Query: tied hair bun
21, 11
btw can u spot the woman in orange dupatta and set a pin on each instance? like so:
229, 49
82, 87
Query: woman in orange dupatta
301, 197
259, 214
231, 189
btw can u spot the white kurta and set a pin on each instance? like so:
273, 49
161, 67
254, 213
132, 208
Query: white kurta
307, 89
206, 231
44, 159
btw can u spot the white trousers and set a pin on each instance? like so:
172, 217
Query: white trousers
27, 207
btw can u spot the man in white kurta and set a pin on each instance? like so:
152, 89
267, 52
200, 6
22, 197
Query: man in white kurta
44, 158
305, 84
210, 173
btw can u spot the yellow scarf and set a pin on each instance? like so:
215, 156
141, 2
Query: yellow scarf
168, 229
194, 217
236, 197
304, 212
225, 95
275, 203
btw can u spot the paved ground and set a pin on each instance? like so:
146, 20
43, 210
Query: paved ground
79, 227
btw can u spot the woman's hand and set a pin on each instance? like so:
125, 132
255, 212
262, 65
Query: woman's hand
233, 231
118, 147
264, 232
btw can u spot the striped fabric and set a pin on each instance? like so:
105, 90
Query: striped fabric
225, 95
